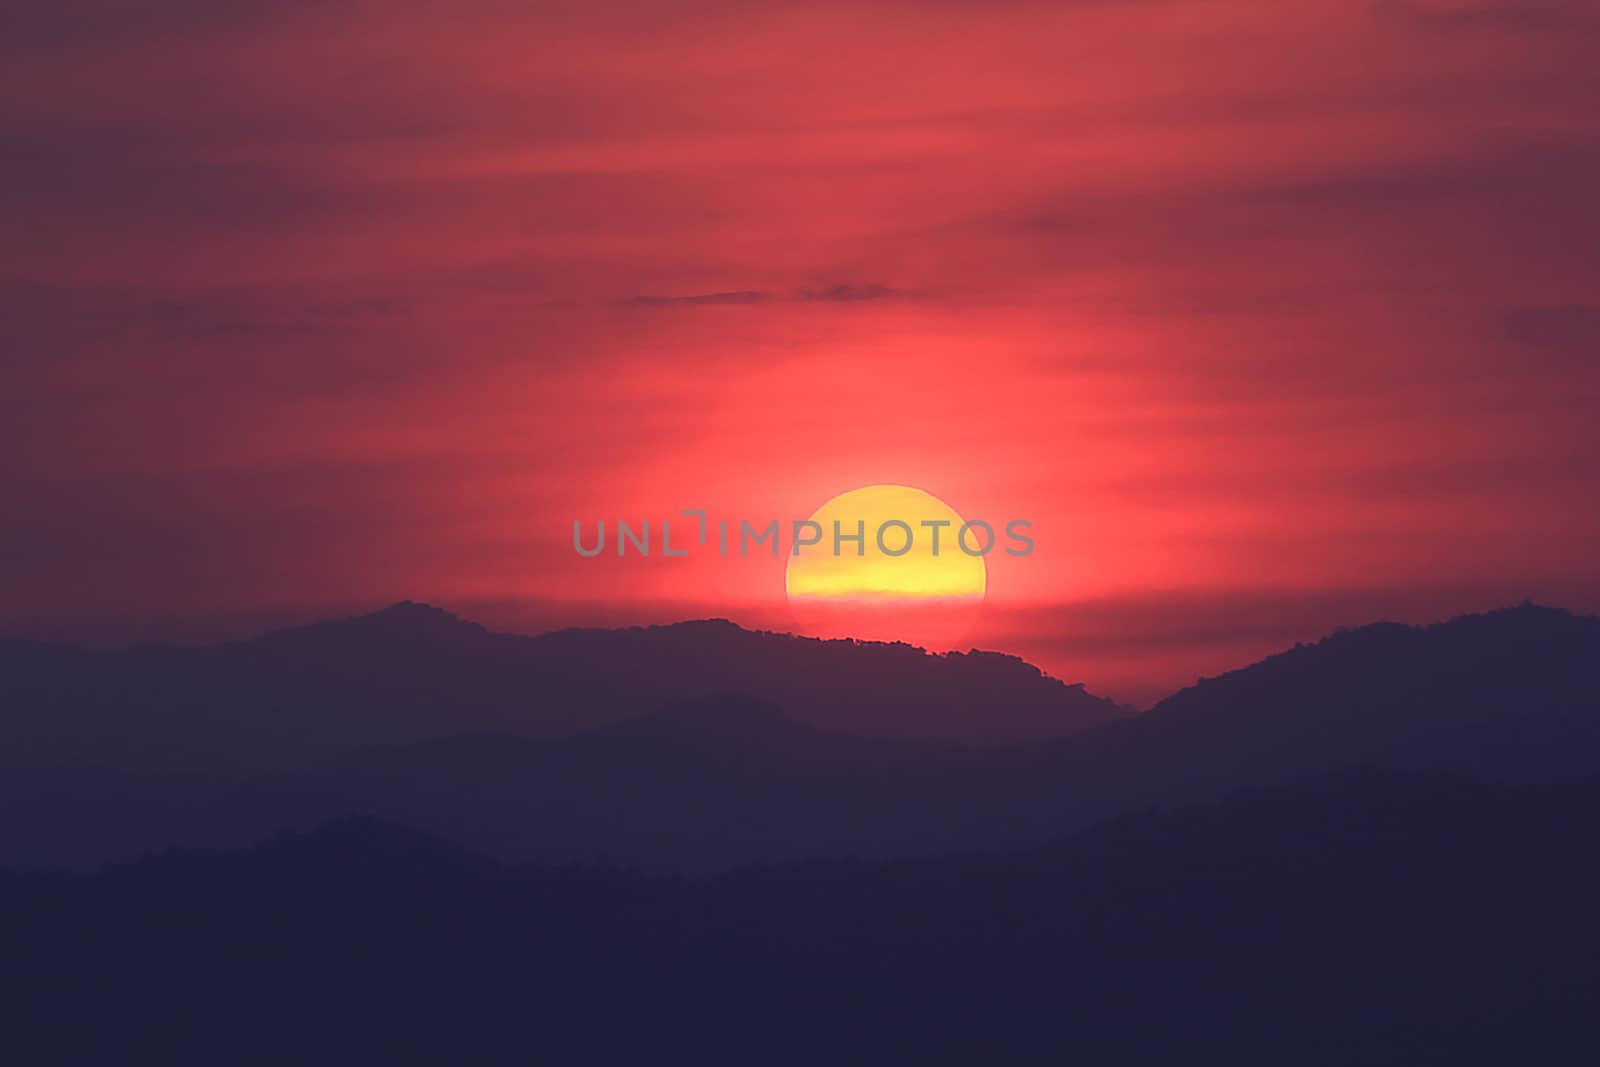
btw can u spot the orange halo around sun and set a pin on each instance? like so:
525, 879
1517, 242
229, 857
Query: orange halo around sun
893, 588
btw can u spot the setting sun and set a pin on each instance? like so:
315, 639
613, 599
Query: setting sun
897, 571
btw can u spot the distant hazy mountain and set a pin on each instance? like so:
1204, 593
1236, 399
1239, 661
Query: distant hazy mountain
413, 672
727, 778
1361, 918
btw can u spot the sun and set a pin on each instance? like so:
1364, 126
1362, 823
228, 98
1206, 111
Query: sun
901, 569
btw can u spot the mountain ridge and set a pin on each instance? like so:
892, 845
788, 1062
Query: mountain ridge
412, 671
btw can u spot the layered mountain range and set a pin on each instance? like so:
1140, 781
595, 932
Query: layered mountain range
703, 746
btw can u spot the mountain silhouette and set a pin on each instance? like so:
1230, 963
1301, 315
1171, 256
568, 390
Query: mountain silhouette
1361, 694
1365, 917
697, 786
412, 672
1374, 848
726, 778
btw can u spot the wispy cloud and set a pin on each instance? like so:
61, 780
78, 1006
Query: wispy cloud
1515, 16
843, 293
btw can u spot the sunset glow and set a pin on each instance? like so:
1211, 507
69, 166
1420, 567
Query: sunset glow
1269, 316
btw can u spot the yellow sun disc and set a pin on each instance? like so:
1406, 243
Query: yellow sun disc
895, 559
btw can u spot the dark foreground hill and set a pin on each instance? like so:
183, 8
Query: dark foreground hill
1364, 918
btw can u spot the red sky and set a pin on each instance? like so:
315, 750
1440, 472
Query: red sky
1270, 317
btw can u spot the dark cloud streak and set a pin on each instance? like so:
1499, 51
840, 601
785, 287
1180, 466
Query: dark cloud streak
843, 293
